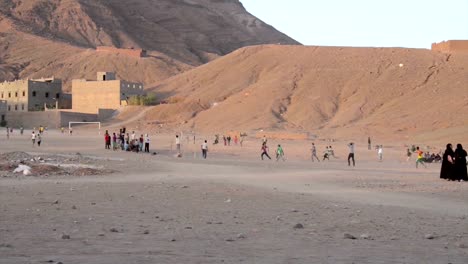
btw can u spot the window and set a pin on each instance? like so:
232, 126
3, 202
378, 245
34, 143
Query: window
34, 93
16, 107
16, 94
57, 96
46, 95
24, 93
3, 117
9, 95
2, 95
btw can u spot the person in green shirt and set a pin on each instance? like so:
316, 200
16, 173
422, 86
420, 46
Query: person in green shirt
280, 153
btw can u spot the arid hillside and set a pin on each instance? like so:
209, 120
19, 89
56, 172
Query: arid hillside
186, 30
390, 93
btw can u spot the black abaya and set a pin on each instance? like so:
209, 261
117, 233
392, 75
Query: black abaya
446, 172
460, 170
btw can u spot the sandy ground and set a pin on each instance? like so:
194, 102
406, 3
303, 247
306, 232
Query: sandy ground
230, 208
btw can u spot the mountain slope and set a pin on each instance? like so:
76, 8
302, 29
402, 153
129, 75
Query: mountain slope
332, 91
186, 30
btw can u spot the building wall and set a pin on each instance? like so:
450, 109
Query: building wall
41, 93
3, 109
138, 53
90, 96
52, 119
451, 46
30, 95
15, 94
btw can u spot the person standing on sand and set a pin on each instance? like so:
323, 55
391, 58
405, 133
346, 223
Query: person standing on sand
460, 164
380, 152
446, 171
351, 154
114, 141
177, 142
280, 153
204, 149
420, 159
21, 130
39, 139
7, 133
236, 140
107, 140
326, 154
408, 154
264, 139
133, 135
369, 145
229, 140
141, 142
314, 153
265, 151
33, 138
147, 142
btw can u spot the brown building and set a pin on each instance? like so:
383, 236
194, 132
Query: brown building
106, 93
451, 46
31, 95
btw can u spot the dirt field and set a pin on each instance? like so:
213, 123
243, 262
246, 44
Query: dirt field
230, 208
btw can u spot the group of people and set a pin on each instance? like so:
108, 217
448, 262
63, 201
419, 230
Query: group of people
126, 142
454, 164
264, 149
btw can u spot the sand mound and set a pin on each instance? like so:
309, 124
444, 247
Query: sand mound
331, 91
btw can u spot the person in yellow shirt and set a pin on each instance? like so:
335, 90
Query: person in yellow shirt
420, 159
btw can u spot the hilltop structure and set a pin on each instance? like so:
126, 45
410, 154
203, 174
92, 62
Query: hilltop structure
137, 53
451, 46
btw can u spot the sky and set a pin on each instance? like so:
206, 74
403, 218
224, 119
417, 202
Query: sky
365, 23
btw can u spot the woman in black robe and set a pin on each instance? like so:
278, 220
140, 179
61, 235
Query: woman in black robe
461, 173
446, 172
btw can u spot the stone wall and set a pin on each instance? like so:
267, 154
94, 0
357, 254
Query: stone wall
51, 119
138, 53
451, 46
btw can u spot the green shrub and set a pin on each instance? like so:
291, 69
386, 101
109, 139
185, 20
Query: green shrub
149, 99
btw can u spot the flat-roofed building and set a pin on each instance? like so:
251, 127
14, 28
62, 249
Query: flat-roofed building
104, 93
31, 95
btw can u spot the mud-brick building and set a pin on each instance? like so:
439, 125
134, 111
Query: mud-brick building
105, 94
31, 95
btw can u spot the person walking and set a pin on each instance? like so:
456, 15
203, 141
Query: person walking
265, 151
204, 149
351, 154
314, 153
280, 153
21, 130
460, 164
448, 159
177, 142
33, 138
420, 159
147, 143
380, 153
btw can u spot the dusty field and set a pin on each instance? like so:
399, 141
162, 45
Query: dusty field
231, 208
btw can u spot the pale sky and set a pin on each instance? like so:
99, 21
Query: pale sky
381, 23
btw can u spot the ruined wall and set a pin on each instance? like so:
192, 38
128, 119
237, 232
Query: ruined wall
451, 46
89, 96
138, 53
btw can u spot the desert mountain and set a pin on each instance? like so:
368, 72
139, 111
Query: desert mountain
335, 92
187, 30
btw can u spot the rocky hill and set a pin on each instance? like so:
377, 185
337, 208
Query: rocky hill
186, 30
335, 92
